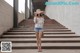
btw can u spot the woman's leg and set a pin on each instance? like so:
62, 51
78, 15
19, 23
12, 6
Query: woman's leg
40, 35
37, 36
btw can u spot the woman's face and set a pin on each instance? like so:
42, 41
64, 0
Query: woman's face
39, 15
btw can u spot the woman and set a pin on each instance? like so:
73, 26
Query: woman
39, 22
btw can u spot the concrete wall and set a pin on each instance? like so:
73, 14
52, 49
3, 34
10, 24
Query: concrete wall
68, 16
6, 16
21, 16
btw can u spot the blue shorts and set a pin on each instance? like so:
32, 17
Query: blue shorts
38, 29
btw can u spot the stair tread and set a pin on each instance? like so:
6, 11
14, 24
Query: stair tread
49, 29
33, 30
49, 44
45, 44
28, 30
45, 36
44, 32
44, 28
43, 39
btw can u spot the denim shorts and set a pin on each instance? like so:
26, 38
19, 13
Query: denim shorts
38, 29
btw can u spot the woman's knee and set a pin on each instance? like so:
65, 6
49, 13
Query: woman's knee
40, 33
37, 32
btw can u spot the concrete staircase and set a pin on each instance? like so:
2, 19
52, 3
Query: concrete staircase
56, 36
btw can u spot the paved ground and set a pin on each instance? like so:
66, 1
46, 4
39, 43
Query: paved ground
46, 51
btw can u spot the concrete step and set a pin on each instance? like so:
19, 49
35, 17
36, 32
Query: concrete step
44, 40
25, 33
32, 27
45, 36
54, 27
53, 30
47, 29
46, 46
46, 51
44, 31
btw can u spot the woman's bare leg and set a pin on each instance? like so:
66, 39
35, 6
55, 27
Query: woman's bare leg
37, 36
40, 35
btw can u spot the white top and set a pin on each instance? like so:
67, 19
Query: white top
39, 22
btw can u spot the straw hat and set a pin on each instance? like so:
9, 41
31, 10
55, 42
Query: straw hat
39, 11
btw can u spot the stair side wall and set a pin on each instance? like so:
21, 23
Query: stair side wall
67, 15
6, 16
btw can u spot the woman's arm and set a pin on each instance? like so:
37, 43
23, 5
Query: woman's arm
35, 20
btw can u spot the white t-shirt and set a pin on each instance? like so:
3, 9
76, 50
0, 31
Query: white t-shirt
39, 22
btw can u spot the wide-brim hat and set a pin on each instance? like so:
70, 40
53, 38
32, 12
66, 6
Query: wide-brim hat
38, 11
